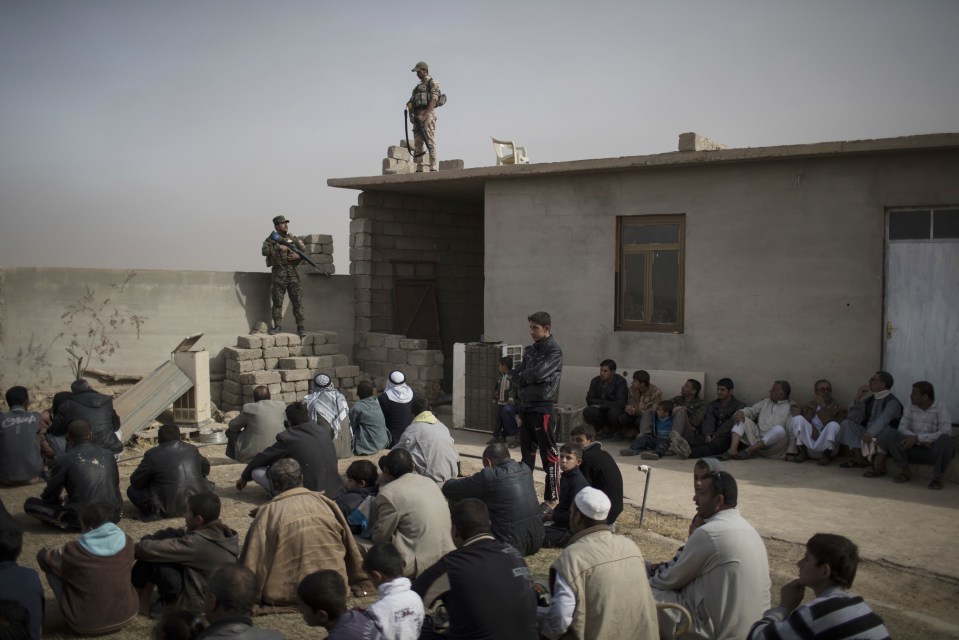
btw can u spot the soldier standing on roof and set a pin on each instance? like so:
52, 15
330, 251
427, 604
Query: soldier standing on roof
426, 97
286, 279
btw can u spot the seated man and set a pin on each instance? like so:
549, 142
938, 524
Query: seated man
18, 583
296, 533
256, 427
605, 401
89, 474
762, 427
599, 468
816, 428
688, 413
180, 561
716, 434
20, 459
924, 436
643, 397
411, 512
722, 574
828, 569
90, 576
572, 481
595, 593
307, 443
367, 423
230, 599
326, 405
484, 584
430, 444
94, 408
169, 473
396, 401
873, 409
506, 487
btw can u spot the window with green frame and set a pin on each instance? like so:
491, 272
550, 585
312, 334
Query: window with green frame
650, 260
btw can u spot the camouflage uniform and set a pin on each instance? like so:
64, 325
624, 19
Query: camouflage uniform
428, 89
286, 279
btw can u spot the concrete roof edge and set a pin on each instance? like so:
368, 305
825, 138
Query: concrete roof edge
672, 158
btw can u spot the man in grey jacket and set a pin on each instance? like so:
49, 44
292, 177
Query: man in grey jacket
256, 427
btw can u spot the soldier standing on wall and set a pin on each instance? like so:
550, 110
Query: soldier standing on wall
425, 99
286, 279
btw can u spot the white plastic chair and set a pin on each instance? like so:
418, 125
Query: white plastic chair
508, 153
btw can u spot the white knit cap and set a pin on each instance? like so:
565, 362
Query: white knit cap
397, 377
712, 464
593, 503
322, 380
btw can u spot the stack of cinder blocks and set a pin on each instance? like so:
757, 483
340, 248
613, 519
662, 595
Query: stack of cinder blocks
286, 364
319, 248
380, 354
398, 160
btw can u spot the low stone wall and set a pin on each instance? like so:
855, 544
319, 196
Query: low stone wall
380, 354
287, 365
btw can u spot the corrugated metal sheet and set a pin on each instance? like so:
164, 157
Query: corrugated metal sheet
150, 397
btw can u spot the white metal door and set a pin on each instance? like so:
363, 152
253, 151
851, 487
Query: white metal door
921, 334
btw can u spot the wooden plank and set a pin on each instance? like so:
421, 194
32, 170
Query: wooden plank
148, 398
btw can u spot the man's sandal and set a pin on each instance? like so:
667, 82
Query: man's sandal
875, 473
935, 484
901, 478
854, 464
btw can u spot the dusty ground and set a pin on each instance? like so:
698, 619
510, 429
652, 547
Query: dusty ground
914, 603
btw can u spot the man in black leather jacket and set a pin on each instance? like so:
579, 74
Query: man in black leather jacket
168, 475
536, 379
89, 474
506, 486
96, 409
306, 442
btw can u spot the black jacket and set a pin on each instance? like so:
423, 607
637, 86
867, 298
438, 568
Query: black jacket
312, 447
719, 416
173, 471
487, 589
398, 416
537, 376
89, 474
608, 395
95, 408
603, 473
509, 494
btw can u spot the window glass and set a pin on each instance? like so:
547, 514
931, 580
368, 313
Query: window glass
651, 234
634, 279
665, 287
909, 225
945, 223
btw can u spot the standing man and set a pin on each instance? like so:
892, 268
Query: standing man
537, 381
426, 97
283, 261
605, 401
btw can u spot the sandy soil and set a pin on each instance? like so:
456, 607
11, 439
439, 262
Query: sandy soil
915, 604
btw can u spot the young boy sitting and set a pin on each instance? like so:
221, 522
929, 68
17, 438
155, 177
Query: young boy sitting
361, 488
399, 611
658, 440
322, 602
506, 429
571, 482
828, 568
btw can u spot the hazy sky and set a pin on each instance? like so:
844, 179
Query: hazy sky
148, 134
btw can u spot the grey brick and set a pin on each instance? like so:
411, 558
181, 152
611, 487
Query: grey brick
293, 375
420, 357
269, 363
325, 349
397, 356
323, 362
302, 385
260, 377
411, 343
391, 341
267, 341
232, 353
312, 362
374, 339
276, 352
347, 371
292, 363
340, 360
232, 386
282, 339
249, 342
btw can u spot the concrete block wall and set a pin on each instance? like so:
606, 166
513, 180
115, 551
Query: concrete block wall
319, 247
380, 354
399, 236
398, 160
287, 365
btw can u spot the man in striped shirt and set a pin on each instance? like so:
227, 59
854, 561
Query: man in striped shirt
828, 568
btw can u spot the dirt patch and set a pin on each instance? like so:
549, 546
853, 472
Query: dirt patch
916, 604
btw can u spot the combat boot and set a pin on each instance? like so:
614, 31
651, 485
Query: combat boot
300, 331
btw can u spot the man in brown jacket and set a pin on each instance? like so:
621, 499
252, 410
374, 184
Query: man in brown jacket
295, 534
90, 576
816, 428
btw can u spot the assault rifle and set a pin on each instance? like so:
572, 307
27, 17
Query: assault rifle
276, 237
